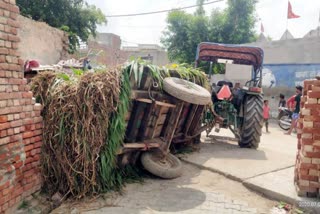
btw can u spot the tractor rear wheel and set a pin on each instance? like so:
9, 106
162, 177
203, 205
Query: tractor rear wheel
252, 122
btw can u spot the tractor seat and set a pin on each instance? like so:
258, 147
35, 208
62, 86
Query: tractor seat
222, 83
222, 91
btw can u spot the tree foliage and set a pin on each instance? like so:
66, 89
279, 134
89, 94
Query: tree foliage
234, 25
73, 16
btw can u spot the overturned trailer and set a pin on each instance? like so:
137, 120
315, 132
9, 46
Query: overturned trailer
97, 125
162, 116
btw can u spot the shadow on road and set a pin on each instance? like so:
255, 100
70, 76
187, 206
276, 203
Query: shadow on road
221, 147
178, 199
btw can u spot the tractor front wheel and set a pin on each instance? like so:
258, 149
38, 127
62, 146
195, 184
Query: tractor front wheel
250, 131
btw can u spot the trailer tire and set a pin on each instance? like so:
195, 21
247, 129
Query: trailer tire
186, 91
251, 129
169, 167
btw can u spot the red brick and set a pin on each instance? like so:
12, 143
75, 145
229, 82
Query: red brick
38, 125
3, 156
28, 148
304, 171
14, 138
37, 119
4, 51
27, 167
307, 141
314, 184
4, 126
13, 16
6, 191
308, 177
312, 94
16, 123
13, 23
37, 132
28, 160
37, 107
27, 187
3, 133
310, 130
10, 132
14, 67
308, 166
37, 113
313, 154
5, 199
38, 138
3, 119
4, 186
4, 140
311, 106
18, 165
36, 158
28, 134
37, 145
14, 9
17, 158
12, 202
5, 206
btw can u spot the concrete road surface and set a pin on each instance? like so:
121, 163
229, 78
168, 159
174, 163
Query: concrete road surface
196, 191
268, 170
276, 151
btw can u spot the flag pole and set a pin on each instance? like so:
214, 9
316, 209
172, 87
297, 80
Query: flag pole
319, 25
287, 22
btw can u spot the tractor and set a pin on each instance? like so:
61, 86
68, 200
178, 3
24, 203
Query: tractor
239, 109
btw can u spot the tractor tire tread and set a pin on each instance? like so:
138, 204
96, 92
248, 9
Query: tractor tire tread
253, 121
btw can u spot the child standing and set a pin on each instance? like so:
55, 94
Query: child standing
266, 110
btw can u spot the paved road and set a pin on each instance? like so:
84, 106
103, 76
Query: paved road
276, 151
268, 170
202, 191
197, 191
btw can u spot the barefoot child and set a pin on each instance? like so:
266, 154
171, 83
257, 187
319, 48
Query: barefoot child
266, 110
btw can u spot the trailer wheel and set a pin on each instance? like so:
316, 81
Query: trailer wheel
186, 91
252, 122
168, 167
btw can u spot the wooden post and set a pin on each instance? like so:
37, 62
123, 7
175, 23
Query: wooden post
172, 125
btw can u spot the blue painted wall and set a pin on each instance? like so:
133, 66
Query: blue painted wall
291, 75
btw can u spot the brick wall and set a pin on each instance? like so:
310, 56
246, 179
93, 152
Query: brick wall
41, 42
20, 121
307, 171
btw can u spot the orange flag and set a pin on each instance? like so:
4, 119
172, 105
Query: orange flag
291, 15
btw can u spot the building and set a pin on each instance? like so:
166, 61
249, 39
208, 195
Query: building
150, 52
313, 33
105, 49
287, 62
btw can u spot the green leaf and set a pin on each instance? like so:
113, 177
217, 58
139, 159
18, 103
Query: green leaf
63, 76
77, 72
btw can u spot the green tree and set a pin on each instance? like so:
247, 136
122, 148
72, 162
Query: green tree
73, 16
200, 10
234, 25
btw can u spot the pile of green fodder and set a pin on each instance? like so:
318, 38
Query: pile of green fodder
183, 71
84, 125
81, 132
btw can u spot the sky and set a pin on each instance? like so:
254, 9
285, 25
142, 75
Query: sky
148, 29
